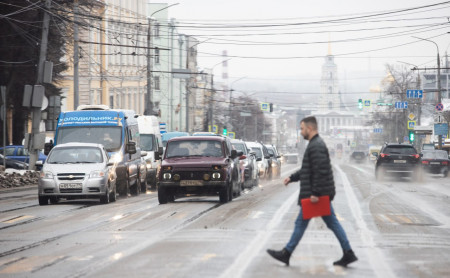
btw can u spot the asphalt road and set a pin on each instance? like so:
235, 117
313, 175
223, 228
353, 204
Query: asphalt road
397, 228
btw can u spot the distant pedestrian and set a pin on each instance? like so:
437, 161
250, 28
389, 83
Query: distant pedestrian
316, 179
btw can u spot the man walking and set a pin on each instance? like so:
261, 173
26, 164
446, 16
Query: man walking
316, 179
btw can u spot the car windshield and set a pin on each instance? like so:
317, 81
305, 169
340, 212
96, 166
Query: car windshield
75, 155
257, 151
108, 136
399, 150
271, 152
194, 148
147, 142
240, 147
435, 155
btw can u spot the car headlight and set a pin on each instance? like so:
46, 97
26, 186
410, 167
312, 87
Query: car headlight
116, 158
274, 164
167, 176
97, 174
46, 175
149, 165
216, 175
260, 164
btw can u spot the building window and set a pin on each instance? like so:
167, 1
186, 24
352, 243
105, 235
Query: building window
156, 83
156, 55
330, 90
331, 75
330, 105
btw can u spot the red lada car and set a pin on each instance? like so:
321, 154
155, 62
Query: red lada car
199, 165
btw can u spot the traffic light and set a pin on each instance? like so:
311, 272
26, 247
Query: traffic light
411, 136
360, 104
225, 132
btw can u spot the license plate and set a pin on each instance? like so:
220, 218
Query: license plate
399, 161
191, 183
435, 163
70, 186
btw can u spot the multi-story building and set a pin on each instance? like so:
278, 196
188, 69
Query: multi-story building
111, 58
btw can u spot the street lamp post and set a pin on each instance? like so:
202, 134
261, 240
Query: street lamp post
149, 103
231, 97
438, 81
210, 108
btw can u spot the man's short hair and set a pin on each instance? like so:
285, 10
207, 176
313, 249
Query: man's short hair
311, 121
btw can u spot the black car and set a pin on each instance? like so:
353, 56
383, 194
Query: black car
12, 163
358, 156
435, 162
398, 160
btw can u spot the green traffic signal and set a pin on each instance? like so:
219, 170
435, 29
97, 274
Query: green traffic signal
411, 136
360, 104
225, 132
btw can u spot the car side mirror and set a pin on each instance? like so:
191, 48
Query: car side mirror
159, 153
259, 159
233, 154
143, 153
267, 157
131, 148
39, 163
110, 163
421, 155
279, 156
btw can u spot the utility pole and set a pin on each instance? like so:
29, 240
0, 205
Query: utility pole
149, 104
36, 111
75, 56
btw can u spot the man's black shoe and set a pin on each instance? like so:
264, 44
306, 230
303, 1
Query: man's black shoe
282, 256
349, 257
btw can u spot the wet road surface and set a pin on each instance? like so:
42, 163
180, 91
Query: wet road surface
397, 228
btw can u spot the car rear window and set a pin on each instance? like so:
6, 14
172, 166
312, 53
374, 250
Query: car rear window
257, 151
399, 150
435, 155
240, 147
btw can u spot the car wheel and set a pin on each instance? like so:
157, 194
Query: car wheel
162, 196
256, 181
136, 189
54, 200
170, 196
125, 188
445, 174
224, 193
144, 186
43, 201
105, 198
113, 195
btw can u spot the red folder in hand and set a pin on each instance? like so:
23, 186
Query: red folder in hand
321, 208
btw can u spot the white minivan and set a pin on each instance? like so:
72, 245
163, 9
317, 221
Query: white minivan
151, 143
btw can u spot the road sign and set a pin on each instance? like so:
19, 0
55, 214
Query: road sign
353, 144
406, 138
366, 102
232, 135
265, 106
440, 129
414, 94
215, 129
439, 107
401, 104
439, 119
377, 130
411, 124
411, 116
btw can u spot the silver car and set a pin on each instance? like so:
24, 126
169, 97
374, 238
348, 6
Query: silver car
77, 171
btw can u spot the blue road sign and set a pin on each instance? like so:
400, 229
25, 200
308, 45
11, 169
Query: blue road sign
441, 129
367, 103
377, 130
401, 104
414, 93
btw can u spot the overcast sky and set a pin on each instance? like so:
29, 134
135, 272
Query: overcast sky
298, 36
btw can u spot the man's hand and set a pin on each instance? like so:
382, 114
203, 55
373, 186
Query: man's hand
287, 181
314, 199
